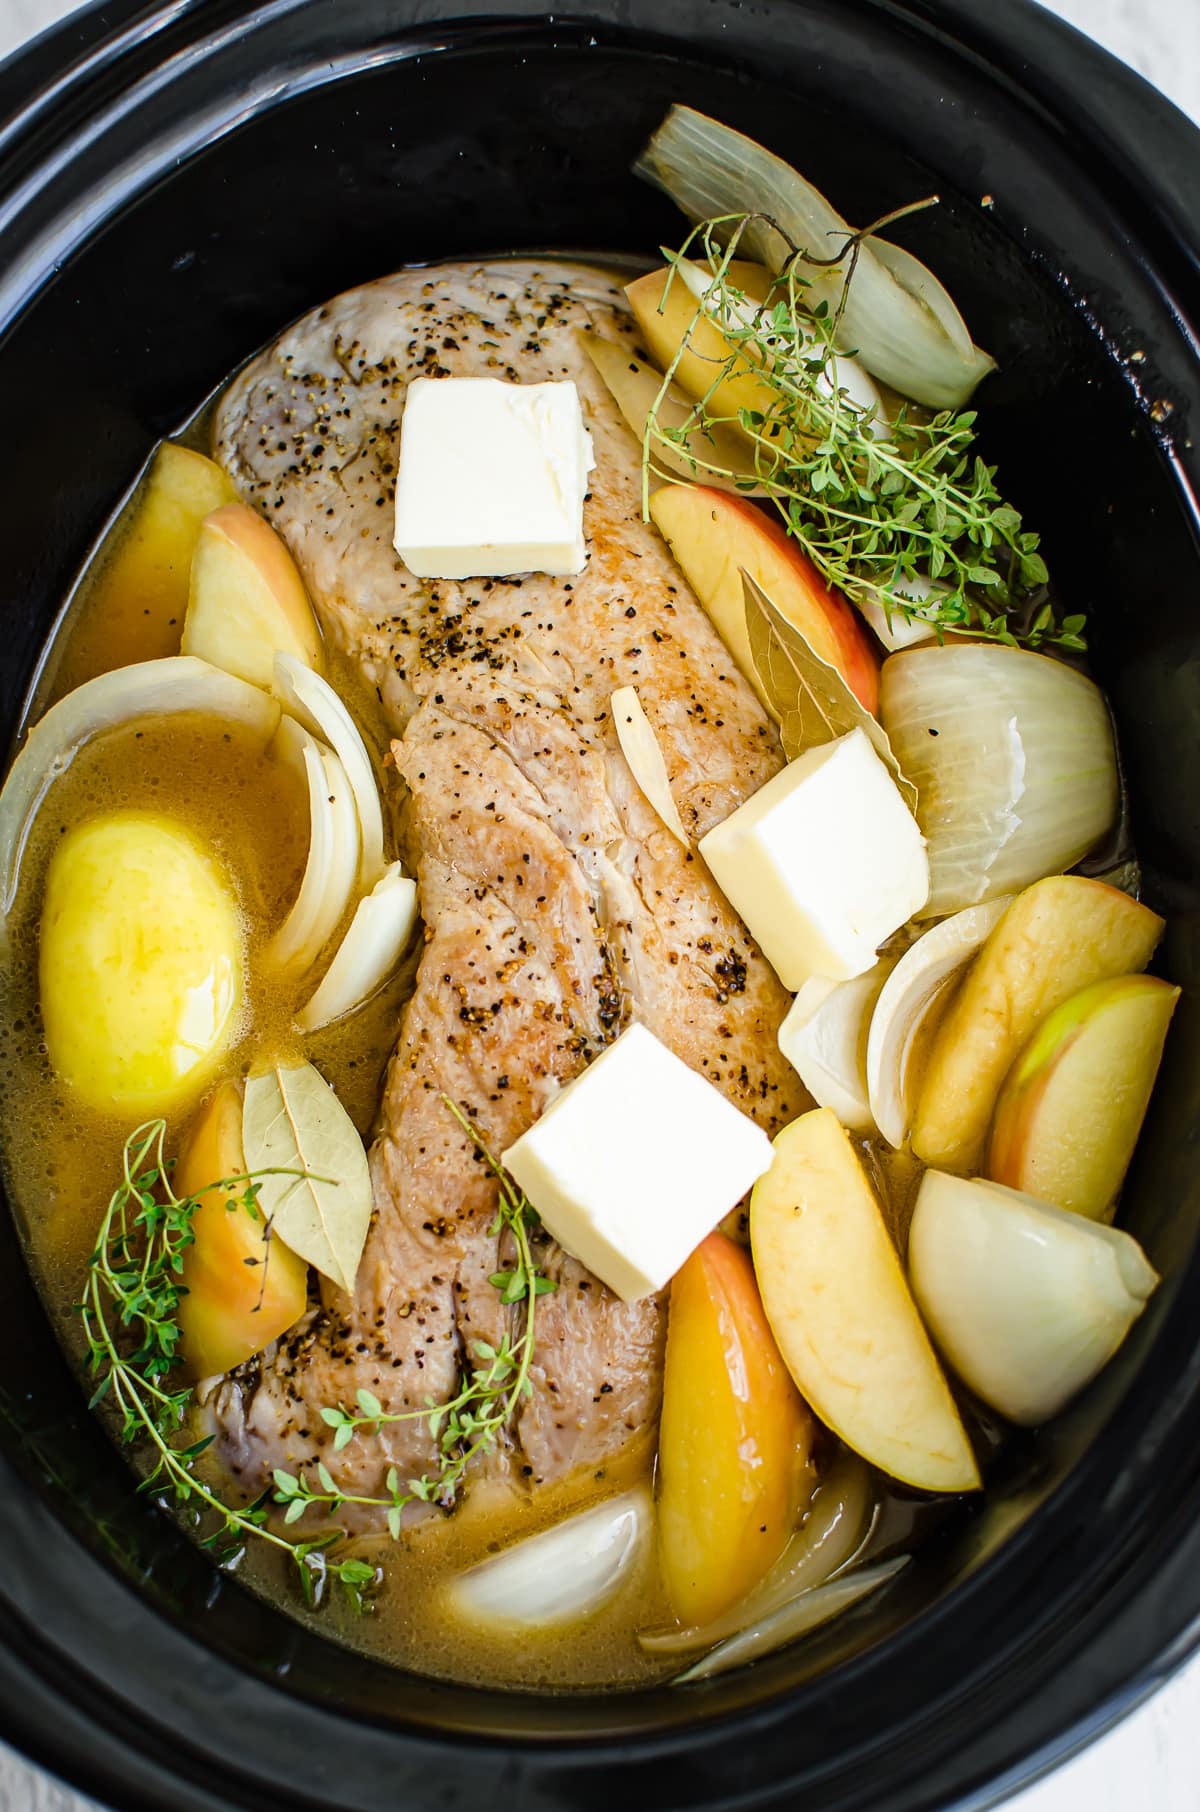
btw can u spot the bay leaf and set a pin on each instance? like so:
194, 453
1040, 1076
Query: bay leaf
809, 699
292, 1120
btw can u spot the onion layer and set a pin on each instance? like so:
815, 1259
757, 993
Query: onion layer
313, 702
376, 940
162, 688
332, 867
1013, 760
792, 1620
643, 752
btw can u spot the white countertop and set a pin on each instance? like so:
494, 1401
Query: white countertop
1152, 1760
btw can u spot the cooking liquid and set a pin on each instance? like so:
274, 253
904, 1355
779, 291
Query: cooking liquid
62, 1159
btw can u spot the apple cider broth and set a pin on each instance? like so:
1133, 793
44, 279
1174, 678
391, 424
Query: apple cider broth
561, 1065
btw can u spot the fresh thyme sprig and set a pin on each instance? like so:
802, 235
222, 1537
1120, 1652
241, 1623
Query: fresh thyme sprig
472, 1421
880, 509
130, 1311
130, 1317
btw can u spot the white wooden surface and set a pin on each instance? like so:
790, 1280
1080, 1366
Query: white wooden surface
1152, 1760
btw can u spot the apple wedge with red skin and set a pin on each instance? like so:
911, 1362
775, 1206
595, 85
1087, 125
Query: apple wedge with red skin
1071, 1108
715, 537
247, 601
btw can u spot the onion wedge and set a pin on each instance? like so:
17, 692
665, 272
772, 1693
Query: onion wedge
376, 940
1027, 1301
561, 1575
161, 688
640, 747
900, 320
313, 702
331, 871
1013, 759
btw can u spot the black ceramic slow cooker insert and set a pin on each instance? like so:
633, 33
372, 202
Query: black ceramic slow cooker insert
177, 182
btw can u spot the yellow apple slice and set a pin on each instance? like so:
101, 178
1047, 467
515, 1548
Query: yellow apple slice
841, 1311
331, 871
909, 998
636, 388
1027, 1301
1057, 937
824, 1038
244, 1286
1072, 1106
135, 611
734, 1442
247, 601
716, 537
668, 314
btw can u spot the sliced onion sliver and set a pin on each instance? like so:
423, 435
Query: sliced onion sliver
832, 1533
178, 683
641, 749
561, 1575
792, 1620
1013, 760
377, 938
331, 872
315, 704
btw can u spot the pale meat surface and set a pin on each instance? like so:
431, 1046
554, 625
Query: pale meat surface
557, 906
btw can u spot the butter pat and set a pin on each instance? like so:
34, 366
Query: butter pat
823, 863
492, 479
635, 1162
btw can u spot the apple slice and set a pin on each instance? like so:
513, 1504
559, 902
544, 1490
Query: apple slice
824, 1038
840, 1309
735, 1437
1073, 1103
636, 387
248, 601
135, 609
1026, 1301
1057, 937
669, 315
908, 1002
243, 1286
716, 537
